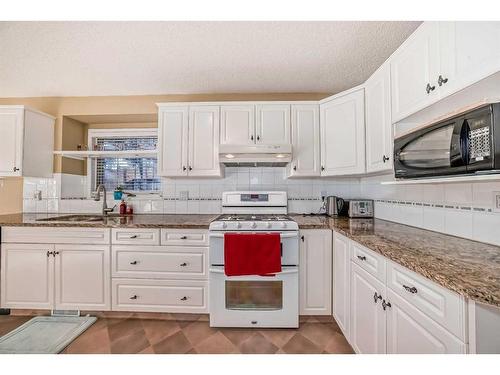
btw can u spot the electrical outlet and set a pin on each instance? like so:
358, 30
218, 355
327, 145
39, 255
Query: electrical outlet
496, 201
183, 195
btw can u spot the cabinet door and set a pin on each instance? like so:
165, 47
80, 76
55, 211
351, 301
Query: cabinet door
305, 141
378, 120
414, 66
341, 282
237, 125
368, 321
11, 138
272, 126
173, 141
82, 277
204, 141
470, 51
315, 272
343, 135
27, 276
409, 331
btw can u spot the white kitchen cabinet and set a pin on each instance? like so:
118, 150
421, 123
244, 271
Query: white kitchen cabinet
203, 142
237, 124
315, 272
82, 277
368, 319
27, 276
378, 120
469, 52
342, 125
26, 142
272, 124
305, 141
188, 141
414, 71
341, 282
409, 331
173, 141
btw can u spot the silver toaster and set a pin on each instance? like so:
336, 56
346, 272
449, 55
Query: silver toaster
360, 208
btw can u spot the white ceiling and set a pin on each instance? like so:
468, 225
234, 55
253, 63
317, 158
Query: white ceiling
135, 58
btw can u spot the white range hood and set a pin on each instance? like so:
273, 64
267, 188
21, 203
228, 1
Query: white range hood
255, 155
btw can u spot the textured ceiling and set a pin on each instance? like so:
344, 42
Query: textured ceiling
135, 58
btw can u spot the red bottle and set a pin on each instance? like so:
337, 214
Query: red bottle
130, 210
123, 208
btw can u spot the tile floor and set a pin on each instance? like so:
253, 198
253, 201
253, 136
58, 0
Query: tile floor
129, 333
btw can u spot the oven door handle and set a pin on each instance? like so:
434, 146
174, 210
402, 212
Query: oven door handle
283, 271
282, 235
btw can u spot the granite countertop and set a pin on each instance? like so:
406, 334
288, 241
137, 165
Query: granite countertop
467, 267
132, 221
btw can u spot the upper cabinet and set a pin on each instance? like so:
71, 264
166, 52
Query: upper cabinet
272, 125
441, 58
378, 120
26, 142
237, 125
188, 138
305, 141
342, 129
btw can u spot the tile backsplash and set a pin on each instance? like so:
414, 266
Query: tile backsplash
460, 209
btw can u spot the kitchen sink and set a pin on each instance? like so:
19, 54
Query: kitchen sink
79, 218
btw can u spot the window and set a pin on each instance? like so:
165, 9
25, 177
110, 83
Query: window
137, 174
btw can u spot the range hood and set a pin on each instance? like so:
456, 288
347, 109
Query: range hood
255, 155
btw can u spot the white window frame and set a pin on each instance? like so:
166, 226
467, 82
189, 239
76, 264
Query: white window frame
131, 132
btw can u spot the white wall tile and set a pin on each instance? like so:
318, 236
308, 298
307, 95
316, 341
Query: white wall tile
482, 193
29, 205
434, 219
458, 223
169, 207
486, 227
458, 193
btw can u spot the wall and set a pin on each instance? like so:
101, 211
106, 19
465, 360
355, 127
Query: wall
11, 195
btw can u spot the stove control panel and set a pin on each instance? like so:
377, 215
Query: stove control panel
255, 226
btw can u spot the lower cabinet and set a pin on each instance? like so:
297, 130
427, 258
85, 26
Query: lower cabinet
368, 320
62, 277
315, 272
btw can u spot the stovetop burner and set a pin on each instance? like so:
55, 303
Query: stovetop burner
236, 217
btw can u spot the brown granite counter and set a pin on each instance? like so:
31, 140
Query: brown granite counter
467, 267
133, 221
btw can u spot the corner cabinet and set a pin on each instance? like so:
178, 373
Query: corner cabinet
305, 141
188, 141
26, 142
342, 129
315, 272
378, 121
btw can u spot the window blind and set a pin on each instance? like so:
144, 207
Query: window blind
133, 174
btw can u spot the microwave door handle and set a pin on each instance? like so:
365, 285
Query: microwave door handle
464, 142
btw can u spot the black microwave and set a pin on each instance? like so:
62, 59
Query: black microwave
468, 143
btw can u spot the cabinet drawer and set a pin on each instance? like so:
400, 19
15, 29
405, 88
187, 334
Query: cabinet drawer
160, 262
135, 236
56, 235
159, 296
184, 237
370, 261
440, 304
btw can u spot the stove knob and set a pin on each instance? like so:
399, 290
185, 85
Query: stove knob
254, 225
224, 225
283, 225
269, 225
238, 225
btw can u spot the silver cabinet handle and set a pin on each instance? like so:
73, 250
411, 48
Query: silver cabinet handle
133, 262
184, 238
133, 236
184, 298
376, 297
361, 257
441, 80
386, 304
183, 264
49, 253
133, 297
410, 289
429, 88
385, 158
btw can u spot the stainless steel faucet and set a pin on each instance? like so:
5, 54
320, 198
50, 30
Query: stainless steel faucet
105, 209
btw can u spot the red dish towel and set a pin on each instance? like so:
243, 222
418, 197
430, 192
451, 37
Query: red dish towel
252, 254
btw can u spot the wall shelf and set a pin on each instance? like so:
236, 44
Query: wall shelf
442, 180
82, 155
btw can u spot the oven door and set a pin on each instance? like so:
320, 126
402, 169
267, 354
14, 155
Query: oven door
254, 301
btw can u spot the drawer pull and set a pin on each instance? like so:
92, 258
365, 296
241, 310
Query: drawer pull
376, 297
386, 304
412, 289
183, 264
184, 238
134, 236
361, 257
133, 262
184, 298
133, 297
